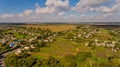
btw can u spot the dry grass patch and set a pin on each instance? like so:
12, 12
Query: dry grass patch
54, 28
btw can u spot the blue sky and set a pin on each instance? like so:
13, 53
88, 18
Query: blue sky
16, 6
62, 10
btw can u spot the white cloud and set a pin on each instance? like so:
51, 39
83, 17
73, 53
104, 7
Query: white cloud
91, 2
114, 9
45, 10
7, 15
27, 12
94, 5
59, 10
61, 13
53, 6
57, 3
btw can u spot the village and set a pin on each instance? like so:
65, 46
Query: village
32, 40
10, 39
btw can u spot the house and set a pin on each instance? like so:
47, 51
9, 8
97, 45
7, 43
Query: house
46, 40
97, 44
114, 50
71, 39
17, 40
32, 46
51, 40
96, 40
30, 40
26, 48
87, 44
79, 35
75, 37
103, 44
12, 44
18, 52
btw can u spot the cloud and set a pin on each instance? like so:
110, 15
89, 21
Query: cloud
94, 5
57, 3
104, 18
6, 15
44, 10
60, 10
83, 3
61, 13
53, 9
114, 9
26, 15
27, 12
53, 6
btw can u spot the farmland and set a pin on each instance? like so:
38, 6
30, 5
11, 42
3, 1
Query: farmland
54, 28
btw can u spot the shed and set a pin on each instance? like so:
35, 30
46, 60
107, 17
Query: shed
12, 44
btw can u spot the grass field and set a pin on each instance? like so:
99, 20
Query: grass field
60, 48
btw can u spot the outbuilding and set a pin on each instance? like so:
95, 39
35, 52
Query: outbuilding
12, 44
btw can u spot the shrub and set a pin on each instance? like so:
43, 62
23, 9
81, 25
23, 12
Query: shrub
82, 56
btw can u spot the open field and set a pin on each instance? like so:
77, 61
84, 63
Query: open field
54, 28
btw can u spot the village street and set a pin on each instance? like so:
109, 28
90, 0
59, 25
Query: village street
3, 56
2, 61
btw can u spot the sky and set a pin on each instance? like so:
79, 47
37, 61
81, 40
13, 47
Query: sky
59, 10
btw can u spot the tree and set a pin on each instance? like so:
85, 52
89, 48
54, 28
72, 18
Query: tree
82, 56
69, 61
52, 62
